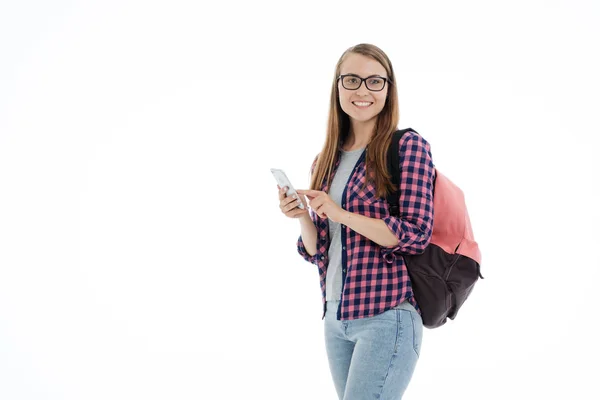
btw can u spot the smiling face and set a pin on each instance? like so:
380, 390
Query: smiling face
362, 105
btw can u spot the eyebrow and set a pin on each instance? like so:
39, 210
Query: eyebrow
370, 76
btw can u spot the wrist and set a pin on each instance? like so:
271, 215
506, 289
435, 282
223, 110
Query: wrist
345, 216
305, 219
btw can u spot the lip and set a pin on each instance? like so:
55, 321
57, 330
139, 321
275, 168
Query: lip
362, 107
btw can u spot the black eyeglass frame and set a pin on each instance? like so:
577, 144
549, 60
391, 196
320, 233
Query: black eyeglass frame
385, 80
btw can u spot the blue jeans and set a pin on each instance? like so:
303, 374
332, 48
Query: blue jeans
374, 357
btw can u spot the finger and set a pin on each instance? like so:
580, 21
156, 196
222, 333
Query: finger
296, 211
292, 204
282, 191
313, 193
317, 210
289, 208
310, 194
290, 199
315, 204
321, 210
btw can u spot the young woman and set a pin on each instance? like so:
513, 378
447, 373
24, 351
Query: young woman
373, 327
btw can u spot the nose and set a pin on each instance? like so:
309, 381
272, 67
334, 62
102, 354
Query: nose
362, 89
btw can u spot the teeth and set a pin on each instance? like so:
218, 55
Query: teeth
361, 103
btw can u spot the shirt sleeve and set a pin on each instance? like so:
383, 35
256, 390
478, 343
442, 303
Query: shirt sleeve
313, 216
414, 225
302, 249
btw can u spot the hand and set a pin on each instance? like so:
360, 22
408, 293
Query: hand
289, 205
323, 205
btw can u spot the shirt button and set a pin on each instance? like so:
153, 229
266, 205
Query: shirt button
322, 257
344, 270
344, 247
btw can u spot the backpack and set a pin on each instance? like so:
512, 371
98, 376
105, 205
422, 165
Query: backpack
443, 276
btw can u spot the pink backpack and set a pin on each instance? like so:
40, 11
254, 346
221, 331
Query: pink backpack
443, 276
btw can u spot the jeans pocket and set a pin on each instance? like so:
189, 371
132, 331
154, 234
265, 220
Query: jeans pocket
417, 324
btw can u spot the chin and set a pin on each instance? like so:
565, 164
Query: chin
362, 118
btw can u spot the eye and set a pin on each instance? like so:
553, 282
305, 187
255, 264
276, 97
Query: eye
376, 81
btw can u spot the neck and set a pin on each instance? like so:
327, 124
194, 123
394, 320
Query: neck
360, 133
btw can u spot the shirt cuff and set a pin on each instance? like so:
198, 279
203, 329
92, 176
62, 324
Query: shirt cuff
410, 239
314, 259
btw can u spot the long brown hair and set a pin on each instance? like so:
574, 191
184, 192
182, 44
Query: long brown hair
338, 127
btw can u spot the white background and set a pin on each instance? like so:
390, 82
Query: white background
143, 254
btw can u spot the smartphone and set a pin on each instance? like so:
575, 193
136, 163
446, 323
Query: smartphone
282, 180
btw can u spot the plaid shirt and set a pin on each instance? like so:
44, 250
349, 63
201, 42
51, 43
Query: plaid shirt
374, 277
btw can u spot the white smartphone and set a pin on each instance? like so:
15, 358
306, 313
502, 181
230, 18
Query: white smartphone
282, 180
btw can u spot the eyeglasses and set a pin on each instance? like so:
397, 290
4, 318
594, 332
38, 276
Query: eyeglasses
374, 83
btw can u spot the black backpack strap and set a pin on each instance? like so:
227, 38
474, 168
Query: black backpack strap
393, 162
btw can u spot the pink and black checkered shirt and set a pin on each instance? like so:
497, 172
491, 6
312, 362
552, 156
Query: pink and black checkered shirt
374, 278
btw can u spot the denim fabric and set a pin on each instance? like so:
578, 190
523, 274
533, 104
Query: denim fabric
373, 357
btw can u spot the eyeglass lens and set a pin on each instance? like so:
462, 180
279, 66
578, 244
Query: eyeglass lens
352, 82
